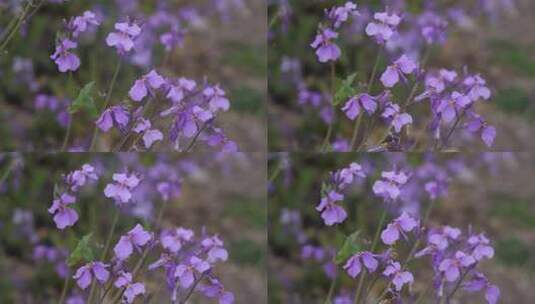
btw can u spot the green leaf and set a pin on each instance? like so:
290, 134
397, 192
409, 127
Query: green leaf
344, 89
350, 247
82, 252
85, 101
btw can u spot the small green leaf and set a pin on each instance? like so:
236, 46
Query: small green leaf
82, 252
344, 89
85, 101
351, 246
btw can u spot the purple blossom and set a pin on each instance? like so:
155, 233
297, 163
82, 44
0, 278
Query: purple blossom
402, 224
216, 290
393, 112
123, 38
449, 107
121, 189
80, 24
66, 60
135, 238
388, 186
452, 267
79, 178
477, 124
349, 174
398, 276
141, 86
174, 240
177, 92
151, 136
340, 14
480, 247
215, 250
477, 88
355, 104
480, 282
325, 49
403, 66
216, 98
185, 272
131, 290
84, 275
63, 215
384, 26
116, 115
332, 213
354, 264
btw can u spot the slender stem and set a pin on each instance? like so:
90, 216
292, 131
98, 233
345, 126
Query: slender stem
105, 251
8, 170
107, 102
192, 142
374, 244
190, 292
65, 288
327, 138
17, 26
275, 173
331, 291
452, 293
450, 133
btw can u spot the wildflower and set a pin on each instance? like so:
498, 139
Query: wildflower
84, 275
353, 265
392, 111
216, 290
449, 107
325, 49
80, 24
174, 239
384, 26
477, 88
479, 282
121, 189
349, 174
78, 178
116, 115
177, 92
477, 124
216, 98
149, 135
331, 213
123, 39
63, 215
403, 223
480, 247
186, 272
388, 186
66, 60
340, 14
132, 290
355, 104
141, 86
137, 237
452, 267
215, 250
399, 277
403, 66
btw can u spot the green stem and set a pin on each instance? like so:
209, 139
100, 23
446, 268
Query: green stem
190, 292
17, 26
65, 288
8, 170
327, 138
331, 291
374, 245
106, 103
192, 142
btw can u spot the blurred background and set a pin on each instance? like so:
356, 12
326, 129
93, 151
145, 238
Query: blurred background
222, 193
486, 36
223, 42
489, 192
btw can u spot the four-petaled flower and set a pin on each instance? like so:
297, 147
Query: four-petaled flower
66, 60
404, 223
186, 272
355, 104
131, 290
326, 50
135, 238
174, 239
332, 213
353, 266
121, 189
452, 267
116, 115
63, 215
123, 39
388, 186
84, 275
398, 276
401, 67
384, 26
214, 248
393, 112
141, 86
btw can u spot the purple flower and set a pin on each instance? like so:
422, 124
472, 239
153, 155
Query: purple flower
355, 104
63, 215
78, 178
392, 111
480, 247
135, 238
384, 26
398, 277
477, 88
340, 14
186, 272
452, 267
173, 38
174, 239
132, 290
480, 282
388, 186
84, 275
177, 92
121, 189
403, 66
449, 107
66, 60
402, 224
215, 250
477, 124
353, 265
141, 86
349, 174
80, 24
216, 290
216, 98
325, 49
116, 115
123, 39
151, 136
332, 213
